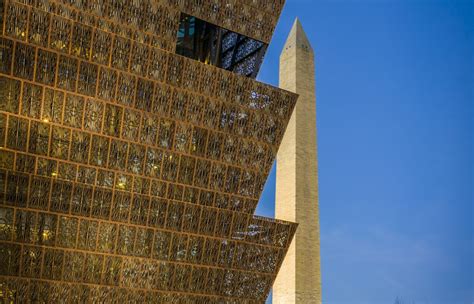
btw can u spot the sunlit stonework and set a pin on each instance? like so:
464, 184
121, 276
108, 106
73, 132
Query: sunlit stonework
129, 173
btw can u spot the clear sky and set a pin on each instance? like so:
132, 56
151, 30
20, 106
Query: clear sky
395, 132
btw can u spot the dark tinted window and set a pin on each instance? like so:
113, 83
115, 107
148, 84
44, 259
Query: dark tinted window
214, 45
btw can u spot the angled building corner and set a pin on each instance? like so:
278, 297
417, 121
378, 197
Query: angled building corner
299, 280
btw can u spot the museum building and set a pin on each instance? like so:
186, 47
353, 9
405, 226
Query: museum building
134, 146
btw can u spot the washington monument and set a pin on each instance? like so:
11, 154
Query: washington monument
299, 279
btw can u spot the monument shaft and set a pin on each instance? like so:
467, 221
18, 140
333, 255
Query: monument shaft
297, 179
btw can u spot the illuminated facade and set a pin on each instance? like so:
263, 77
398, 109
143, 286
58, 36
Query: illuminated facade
134, 145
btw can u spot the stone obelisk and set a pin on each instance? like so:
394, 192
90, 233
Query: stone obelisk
299, 279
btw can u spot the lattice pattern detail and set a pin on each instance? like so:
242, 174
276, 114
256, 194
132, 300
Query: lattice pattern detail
255, 18
129, 172
133, 115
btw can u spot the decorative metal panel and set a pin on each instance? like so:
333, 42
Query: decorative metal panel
129, 173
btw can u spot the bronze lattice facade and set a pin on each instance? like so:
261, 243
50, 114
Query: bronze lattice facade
128, 173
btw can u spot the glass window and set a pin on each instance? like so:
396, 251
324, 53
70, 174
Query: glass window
211, 44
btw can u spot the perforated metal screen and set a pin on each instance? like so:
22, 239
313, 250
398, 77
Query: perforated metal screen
129, 173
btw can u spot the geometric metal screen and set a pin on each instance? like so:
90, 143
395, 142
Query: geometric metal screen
129, 174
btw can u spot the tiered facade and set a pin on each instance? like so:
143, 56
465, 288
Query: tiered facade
128, 173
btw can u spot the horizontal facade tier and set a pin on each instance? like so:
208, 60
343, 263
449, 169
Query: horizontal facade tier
46, 291
61, 197
158, 19
156, 120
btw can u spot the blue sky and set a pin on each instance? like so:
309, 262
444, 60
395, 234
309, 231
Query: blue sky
395, 131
